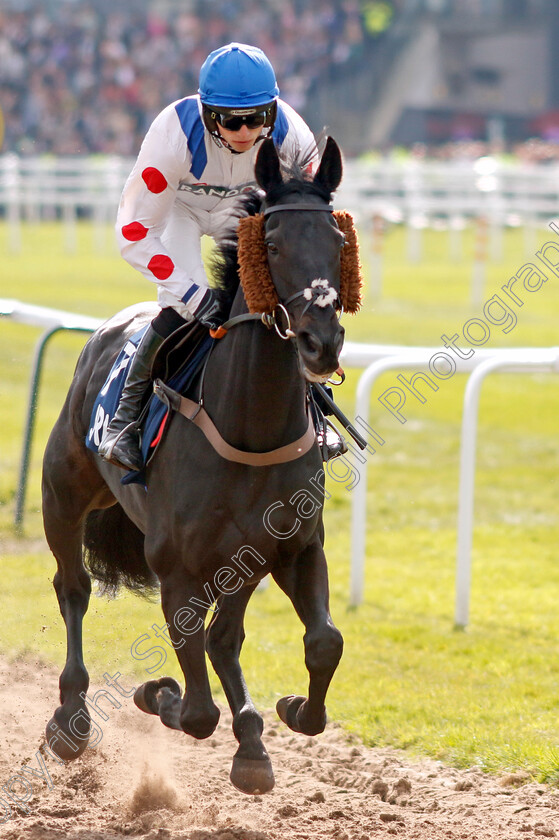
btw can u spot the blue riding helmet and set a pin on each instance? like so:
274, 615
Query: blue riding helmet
237, 76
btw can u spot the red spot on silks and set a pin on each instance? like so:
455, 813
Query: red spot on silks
154, 180
134, 231
161, 266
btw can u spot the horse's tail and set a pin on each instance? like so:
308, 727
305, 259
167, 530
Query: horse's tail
114, 552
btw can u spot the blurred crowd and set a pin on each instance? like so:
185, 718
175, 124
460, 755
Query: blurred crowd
83, 77
533, 151
80, 78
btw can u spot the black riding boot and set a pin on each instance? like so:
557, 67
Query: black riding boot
121, 441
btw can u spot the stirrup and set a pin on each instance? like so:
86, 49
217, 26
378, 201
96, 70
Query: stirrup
330, 442
132, 453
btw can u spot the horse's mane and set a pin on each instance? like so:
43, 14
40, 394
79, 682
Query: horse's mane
224, 263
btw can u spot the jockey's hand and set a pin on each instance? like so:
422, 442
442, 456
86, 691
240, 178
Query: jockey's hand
210, 311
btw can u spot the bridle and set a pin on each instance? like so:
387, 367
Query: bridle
316, 293
195, 411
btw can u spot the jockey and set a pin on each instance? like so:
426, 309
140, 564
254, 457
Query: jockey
197, 158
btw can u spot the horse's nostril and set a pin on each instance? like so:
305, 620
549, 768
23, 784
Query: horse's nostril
310, 343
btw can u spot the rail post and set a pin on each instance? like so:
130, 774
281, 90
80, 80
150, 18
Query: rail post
30, 417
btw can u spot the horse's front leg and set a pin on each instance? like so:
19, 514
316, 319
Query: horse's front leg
305, 581
183, 601
252, 770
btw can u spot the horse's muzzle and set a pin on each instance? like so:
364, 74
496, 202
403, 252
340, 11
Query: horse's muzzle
319, 351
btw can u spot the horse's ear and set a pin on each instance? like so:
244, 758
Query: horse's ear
267, 168
329, 174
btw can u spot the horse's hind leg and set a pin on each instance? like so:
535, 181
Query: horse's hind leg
252, 770
64, 506
305, 581
68, 730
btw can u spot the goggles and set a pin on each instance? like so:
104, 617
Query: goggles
234, 122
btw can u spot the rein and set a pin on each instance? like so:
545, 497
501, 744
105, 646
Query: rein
315, 294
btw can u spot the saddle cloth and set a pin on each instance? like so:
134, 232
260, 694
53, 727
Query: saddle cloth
154, 415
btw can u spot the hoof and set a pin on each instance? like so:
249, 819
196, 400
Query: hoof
65, 746
287, 709
291, 710
202, 724
252, 776
146, 696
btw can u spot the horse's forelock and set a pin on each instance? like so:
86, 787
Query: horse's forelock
298, 184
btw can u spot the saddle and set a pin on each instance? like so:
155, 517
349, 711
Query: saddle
174, 372
179, 350
177, 363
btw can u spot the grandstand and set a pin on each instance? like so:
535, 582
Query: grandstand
86, 77
81, 78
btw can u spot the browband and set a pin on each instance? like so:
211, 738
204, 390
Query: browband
325, 209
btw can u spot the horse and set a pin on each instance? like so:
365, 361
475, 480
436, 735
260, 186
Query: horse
206, 527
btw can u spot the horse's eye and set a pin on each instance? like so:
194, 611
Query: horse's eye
273, 249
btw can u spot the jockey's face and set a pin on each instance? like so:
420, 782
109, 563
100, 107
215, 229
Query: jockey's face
241, 140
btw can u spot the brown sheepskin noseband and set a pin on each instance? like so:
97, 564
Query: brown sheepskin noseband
256, 281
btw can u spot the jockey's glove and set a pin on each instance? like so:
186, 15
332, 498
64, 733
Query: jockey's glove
210, 311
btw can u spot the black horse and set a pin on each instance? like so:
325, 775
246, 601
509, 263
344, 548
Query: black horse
209, 527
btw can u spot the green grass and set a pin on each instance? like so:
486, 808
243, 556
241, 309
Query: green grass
487, 696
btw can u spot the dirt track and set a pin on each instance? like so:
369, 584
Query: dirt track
145, 781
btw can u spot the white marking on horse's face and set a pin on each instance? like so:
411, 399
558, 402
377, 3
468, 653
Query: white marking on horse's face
327, 299
321, 293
